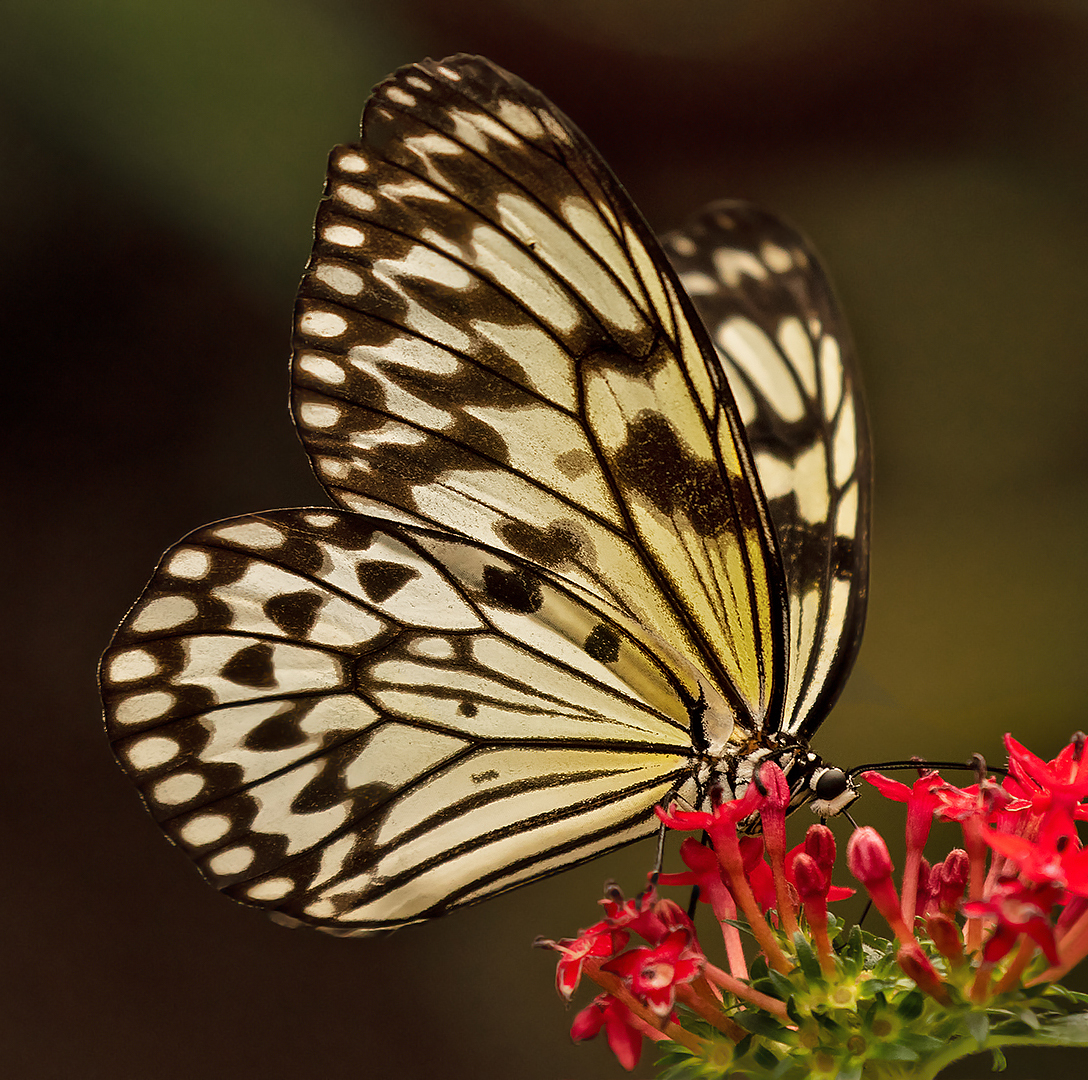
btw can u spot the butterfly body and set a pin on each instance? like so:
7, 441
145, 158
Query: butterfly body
592, 555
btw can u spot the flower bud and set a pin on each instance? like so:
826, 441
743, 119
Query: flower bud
952, 880
945, 934
820, 844
810, 880
867, 856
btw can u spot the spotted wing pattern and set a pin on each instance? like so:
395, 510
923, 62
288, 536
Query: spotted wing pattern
362, 724
489, 340
787, 356
554, 597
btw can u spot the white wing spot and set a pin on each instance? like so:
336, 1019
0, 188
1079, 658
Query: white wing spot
163, 613
332, 469
433, 648
777, 258
340, 279
696, 283
179, 788
132, 664
151, 752
233, 861
831, 372
417, 83
410, 353
272, 889
796, 345
521, 118
205, 829
320, 416
192, 564
846, 517
415, 189
355, 197
141, 708
844, 448
755, 354
434, 143
423, 262
321, 367
326, 324
742, 396
320, 521
806, 478
731, 265
452, 74
399, 96
682, 245
343, 235
352, 163
254, 534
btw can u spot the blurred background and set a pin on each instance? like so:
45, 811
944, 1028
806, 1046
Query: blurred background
160, 165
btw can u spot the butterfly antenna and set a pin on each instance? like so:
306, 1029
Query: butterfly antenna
977, 765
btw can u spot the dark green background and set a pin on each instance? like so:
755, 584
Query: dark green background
160, 165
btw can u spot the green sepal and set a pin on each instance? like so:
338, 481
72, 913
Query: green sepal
978, 1026
807, 959
761, 1023
1063, 1031
923, 1045
780, 986
911, 1005
851, 952
892, 1051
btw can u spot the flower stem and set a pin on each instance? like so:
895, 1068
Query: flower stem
744, 992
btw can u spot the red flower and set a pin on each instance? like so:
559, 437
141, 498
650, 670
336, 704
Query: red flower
704, 872
1020, 909
819, 845
719, 823
599, 940
1055, 787
639, 914
922, 801
653, 974
624, 1037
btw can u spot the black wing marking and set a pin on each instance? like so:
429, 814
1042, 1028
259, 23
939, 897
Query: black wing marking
489, 340
362, 725
789, 361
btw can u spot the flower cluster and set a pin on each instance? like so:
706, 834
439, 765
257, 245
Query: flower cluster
979, 939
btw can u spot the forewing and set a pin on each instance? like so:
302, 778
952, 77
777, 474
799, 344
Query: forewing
489, 340
786, 352
361, 724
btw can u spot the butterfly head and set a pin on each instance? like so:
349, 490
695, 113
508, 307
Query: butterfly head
826, 789
832, 790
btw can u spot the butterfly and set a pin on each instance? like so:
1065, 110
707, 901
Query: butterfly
601, 540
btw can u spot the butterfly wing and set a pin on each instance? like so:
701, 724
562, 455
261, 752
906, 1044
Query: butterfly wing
361, 724
786, 354
559, 587
490, 341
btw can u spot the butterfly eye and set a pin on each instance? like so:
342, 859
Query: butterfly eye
830, 784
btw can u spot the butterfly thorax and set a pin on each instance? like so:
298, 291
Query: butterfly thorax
827, 789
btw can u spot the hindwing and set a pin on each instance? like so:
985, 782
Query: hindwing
363, 724
789, 363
